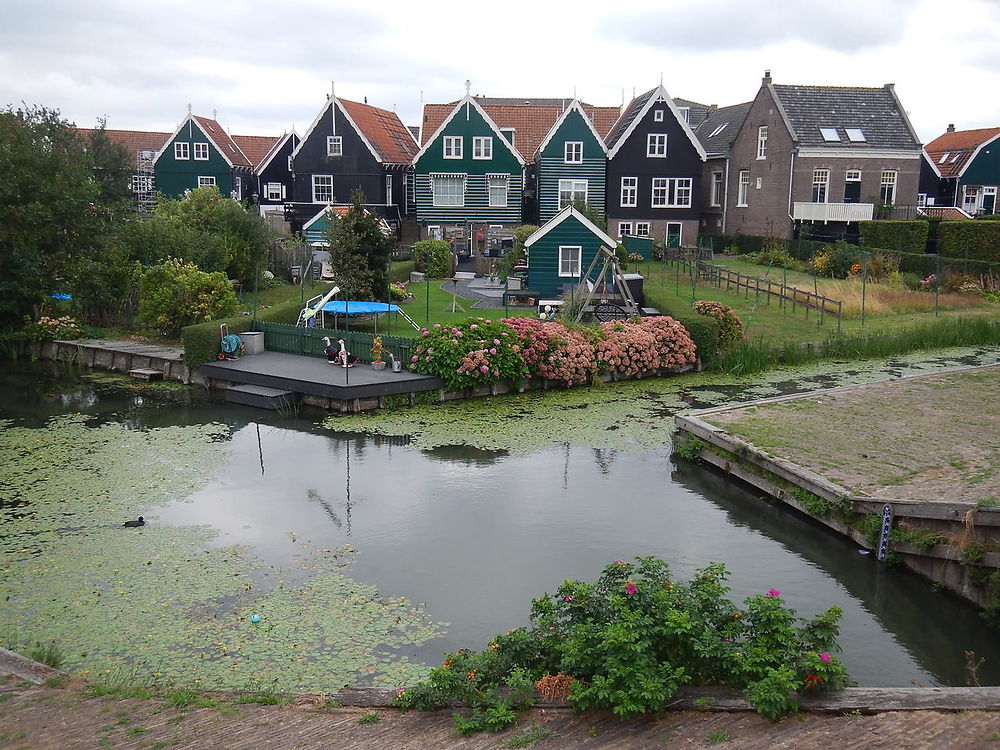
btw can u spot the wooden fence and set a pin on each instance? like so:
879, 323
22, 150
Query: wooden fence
290, 339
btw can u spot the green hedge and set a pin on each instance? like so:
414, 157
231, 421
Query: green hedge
894, 236
201, 341
975, 240
433, 257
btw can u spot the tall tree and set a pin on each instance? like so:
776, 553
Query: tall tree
359, 252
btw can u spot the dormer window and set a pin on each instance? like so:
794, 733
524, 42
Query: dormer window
855, 135
334, 145
658, 115
508, 133
830, 135
685, 113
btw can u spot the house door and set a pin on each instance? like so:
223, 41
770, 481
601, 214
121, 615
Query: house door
673, 236
990, 200
970, 202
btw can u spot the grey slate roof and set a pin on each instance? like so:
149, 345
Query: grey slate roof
731, 117
696, 112
631, 112
874, 110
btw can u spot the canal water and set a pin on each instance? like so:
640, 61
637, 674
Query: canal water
473, 534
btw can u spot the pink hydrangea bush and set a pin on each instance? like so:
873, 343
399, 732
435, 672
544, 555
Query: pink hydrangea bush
554, 352
674, 345
730, 325
470, 354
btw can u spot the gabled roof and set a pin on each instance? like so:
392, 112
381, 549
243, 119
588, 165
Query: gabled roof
389, 141
276, 149
636, 110
469, 101
314, 230
559, 218
256, 147
697, 112
951, 153
719, 128
133, 141
226, 145
531, 118
574, 106
876, 112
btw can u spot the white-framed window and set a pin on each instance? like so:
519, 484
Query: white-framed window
322, 188
921, 200
715, 198
388, 190
482, 147
642, 229
762, 142
855, 135
571, 191
656, 145
657, 115
434, 232
141, 183
334, 145
448, 189
853, 175
624, 227
182, 150
569, 261
944, 157
830, 135
671, 192
630, 192
685, 113
573, 152
272, 191
743, 191
201, 152
206, 181
508, 133
237, 188
453, 147
673, 233
291, 165
497, 186
887, 190
820, 185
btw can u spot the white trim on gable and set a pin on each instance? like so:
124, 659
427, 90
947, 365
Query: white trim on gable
468, 99
575, 104
659, 95
559, 218
190, 118
343, 110
980, 147
275, 150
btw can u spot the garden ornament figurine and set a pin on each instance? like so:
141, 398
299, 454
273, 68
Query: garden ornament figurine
346, 358
332, 352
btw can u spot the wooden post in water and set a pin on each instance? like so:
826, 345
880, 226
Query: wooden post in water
864, 286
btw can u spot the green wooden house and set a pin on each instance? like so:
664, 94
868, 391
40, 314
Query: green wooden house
561, 251
200, 153
572, 162
467, 172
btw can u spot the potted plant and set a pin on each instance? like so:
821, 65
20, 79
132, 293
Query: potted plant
377, 351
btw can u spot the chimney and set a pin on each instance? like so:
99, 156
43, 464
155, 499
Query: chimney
951, 128
766, 79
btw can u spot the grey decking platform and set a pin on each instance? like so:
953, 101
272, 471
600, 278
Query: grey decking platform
314, 376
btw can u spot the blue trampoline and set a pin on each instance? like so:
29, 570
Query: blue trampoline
352, 308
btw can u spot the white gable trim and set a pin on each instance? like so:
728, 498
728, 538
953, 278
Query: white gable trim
975, 153
275, 150
466, 100
360, 132
191, 119
575, 104
312, 127
930, 161
659, 94
560, 217
322, 113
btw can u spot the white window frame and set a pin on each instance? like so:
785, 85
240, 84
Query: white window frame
715, 195
570, 267
319, 186
680, 233
182, 151
852, 175
743, 189
820, 186
334, 145
237, 191
685, 113
573, 152
656, 145
642, 228
762, 142
630, 192
438, 195
856, 135
829, 134
273, 191
671, 192
624, 228
657, 115
207, 181
497, 182
509, 131
574, 188
141, 183
921, 200
482, 147
200, 151
452, 145
291, 164
887, 186
388, 190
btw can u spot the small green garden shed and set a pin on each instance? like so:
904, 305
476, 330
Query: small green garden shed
561, 251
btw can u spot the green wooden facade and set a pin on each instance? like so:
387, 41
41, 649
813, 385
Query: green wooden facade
554, 167
568, 229
174, 176
467, 122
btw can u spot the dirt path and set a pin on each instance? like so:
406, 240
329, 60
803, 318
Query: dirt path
934, 437
39, 718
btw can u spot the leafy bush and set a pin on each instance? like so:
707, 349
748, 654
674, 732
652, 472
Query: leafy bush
976, 240
628, 641
398, 291
776, 258
175, 294
474, 353
901, 236
555, 352
836, 260
49, 329
433, 257
730, 325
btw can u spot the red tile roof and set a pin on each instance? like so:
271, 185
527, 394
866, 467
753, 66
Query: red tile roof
256, 147
951, 152
384, 131
944, 212
531, 119
134, 141
223, 142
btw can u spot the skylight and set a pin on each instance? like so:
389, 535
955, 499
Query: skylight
829, 134
718, 130
944, 157
855, 135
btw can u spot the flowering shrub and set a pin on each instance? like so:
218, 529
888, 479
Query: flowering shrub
470, 354
626, 348
49, 329
632, 638
730, 325
555, 352
398, 291
673, 343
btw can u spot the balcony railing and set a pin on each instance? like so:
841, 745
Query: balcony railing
833, 211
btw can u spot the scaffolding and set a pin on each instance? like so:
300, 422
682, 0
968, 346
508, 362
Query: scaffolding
143, 184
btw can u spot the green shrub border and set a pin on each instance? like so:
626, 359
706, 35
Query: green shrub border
894, 236
201, 341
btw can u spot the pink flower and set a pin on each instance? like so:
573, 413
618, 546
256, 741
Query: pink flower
437, 325
552, 627
423, 332
460, 334
454, 330
619, 562
569, 382
496, 373
773, 592
629, 588
567, 598
414, 358
493, 351
824, 657
496, 342
474, 326
484, 368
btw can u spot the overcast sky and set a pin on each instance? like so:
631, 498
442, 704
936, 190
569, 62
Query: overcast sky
266, 67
